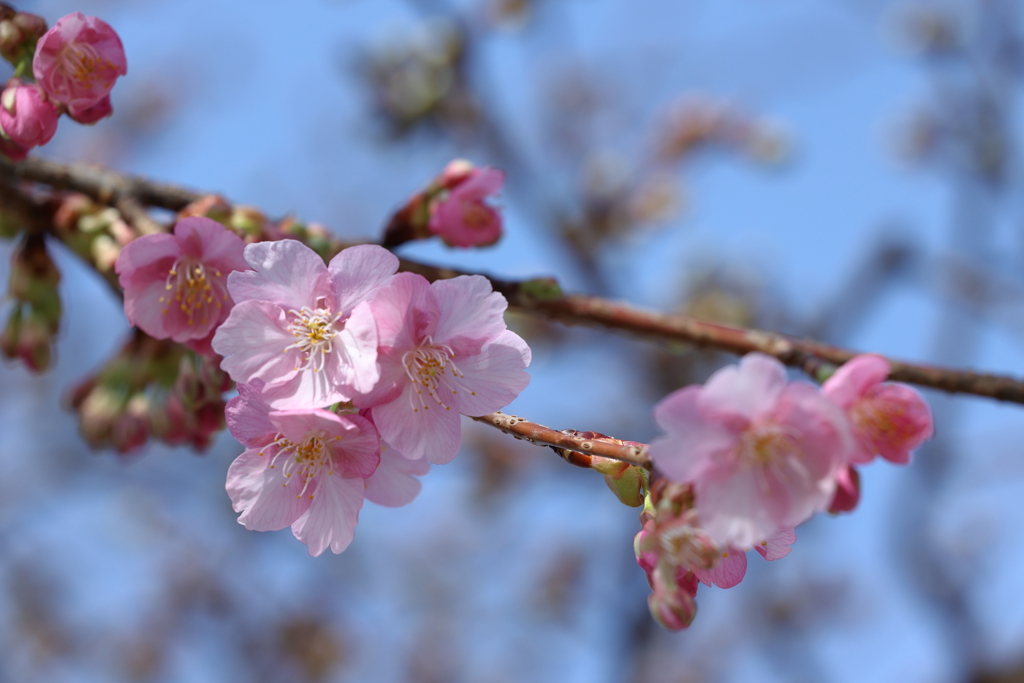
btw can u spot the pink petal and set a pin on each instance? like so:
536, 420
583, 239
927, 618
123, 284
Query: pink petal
854, 378
145, 304
253, 341
746, 391
144, 252
330, 521
778, 544
693, 441
847, 493
392, 308
469, 307
392, 380
482, 183
900, 421
394, 483
419, 428
286, 272
735, 510
822, 429
267, 500
728, 571
354, 368
357, 272
488, 381
218, 246
248, 418
302, 389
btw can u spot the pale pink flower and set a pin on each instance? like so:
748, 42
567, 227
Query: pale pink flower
394, 483
27, 118
304, 328
887, 419
761, 453
444, 351
78, 60
90, 115
175, 285
463, 217
302, 468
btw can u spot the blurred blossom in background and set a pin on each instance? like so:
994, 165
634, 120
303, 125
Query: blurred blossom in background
843, 169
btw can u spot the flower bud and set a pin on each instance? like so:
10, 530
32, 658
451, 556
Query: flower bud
672, 603
847, 493
92, 114
32, 26
27, 117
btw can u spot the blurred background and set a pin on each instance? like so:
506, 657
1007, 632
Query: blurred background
844, 169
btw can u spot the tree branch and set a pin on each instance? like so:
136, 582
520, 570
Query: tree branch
110, 187
545, 436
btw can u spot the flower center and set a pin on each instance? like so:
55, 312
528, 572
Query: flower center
192, 290
426, 366
475, 215
307, 460
687, 546
766, 444
83, 65
884, 421
314, 333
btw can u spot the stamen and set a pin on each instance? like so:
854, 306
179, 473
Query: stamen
187, 284
425, 366
308, 459
314, 331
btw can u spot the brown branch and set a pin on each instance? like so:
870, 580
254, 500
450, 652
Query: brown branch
545, 436
111, 187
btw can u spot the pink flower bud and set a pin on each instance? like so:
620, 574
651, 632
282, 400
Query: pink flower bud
90, 115
463, 217
26, 116
78, 60
847, 490
32, 26
671, 606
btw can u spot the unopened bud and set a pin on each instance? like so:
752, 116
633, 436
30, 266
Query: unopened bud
847, 493
541, 289
11, 39
97, 414
628, 486
32, 26
673, 606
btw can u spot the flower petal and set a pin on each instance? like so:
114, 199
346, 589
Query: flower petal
854, 378
728, 571
693, 442
254, 341
419, 428
488, 381
248, 418
286, 272
358, 272
777, 545
330, 521
394, 483
469, 307
262, 494
745, 391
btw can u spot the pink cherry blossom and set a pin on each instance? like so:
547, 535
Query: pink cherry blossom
887, 419
462, 217
761, 453
304, 328
78, 60
27, 118
444, 350
175, 285
303, 468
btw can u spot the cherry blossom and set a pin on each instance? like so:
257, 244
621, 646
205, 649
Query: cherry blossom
304, 328
887, 418
762, 454
462, 217
27, 118
175, 285
303, 468
78, 60
847, 490
444, 350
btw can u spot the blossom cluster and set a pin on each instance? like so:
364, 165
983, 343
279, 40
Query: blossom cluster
351, 376
749, 455
75, 65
